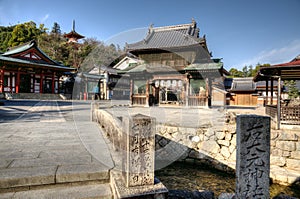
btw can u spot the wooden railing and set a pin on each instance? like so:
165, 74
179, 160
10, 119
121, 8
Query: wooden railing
290, 115
271, 110
139, 100
197, 101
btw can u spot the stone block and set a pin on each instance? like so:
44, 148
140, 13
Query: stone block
295, 155
75, 173
276, 152
210, 146
286, 145
287, 136
228, 136
276, 160
231, 148
273, 143
253, 156
298, 146
233, 155
210, 132
225, 152
220, 135
223, 142
293, 164
233, 140
138, 156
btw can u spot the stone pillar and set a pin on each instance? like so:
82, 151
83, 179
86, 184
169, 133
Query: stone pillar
139, 149
253, 156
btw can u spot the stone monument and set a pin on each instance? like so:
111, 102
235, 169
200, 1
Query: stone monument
253, 157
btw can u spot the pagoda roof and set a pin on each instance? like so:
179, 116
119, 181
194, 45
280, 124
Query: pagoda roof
184, 35
73, 34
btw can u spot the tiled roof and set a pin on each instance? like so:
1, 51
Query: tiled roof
243, 84
28, 46
27, 62
169, 37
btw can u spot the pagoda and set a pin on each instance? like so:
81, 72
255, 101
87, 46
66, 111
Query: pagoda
73, 36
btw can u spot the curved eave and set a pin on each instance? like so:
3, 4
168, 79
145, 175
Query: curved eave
19, 62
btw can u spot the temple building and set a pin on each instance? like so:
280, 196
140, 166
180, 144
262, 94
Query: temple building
176, 68
27, 69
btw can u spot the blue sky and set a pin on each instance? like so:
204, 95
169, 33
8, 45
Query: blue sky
240, 32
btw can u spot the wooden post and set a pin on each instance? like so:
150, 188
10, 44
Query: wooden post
131, 91
18, 82
53, 81
147, 93
272, 89
278, 103
267, 92
41, 82
2, 81
187, 91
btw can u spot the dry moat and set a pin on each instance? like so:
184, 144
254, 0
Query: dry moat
192, 176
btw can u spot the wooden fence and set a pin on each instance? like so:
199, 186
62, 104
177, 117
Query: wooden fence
197, 101
288, 115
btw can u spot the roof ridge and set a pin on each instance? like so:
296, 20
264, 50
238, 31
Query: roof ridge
31, 42
174, 27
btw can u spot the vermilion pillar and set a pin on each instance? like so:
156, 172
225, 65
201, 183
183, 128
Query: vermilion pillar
18, 82
2, 81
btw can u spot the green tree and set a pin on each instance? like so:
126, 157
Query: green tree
293, 91
56, 28
23, 33
235, 72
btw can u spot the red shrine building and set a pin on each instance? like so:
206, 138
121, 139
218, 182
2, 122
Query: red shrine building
27, 69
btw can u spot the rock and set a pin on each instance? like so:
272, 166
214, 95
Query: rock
223, 142
210, 146
293, 164
288, 137
283, 196
220, 135
295, 155
286, 145
228, 136
276, 160
210, 132
226, 196
184, 194
225, 152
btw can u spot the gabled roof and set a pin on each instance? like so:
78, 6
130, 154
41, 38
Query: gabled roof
167, 37
30, 52
243, 84
30, 55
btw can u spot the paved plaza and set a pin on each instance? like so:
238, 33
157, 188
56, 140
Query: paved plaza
42, 144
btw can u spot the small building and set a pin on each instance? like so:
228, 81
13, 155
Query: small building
27, 69
243, 92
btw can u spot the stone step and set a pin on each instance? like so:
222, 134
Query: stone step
101, 191
47, 175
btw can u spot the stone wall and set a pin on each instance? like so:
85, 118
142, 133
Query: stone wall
217, 147
214, 145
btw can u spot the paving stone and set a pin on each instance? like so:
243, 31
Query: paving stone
73, 173
14, 177
84, 191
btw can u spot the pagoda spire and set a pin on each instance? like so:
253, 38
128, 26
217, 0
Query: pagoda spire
73, 36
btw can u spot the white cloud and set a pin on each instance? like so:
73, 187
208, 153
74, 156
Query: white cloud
45, 18
275, 56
